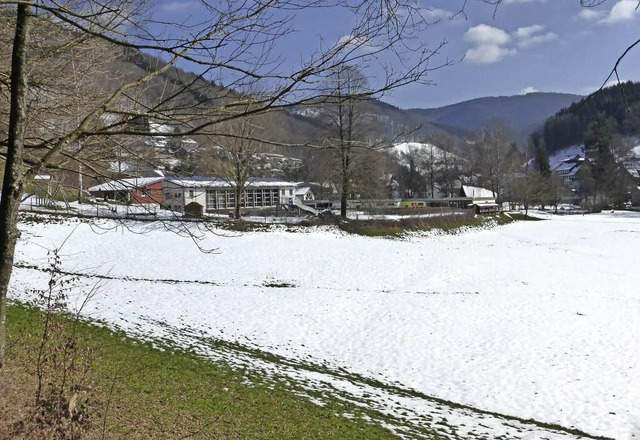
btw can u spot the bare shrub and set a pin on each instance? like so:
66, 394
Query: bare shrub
62, 405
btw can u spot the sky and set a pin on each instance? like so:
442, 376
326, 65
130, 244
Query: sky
522, 46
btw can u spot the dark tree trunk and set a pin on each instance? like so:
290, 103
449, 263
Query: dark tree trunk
346, 171
14, 174
239, 190
344, 196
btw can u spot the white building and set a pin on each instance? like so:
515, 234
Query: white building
215, 194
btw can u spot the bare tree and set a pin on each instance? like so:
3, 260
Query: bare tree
471, 158
422, 163
233, 46
430, 168
235, 155
450, 164
370, 177
346, 128
318, 167
528, 189
555, 191
431, 164
493, 146
411, 177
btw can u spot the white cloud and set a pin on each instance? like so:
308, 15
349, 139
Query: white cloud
591, 14
528, 90
528, 31
623, 10
489, 45
437, 13
489, 35
488, 54
355, 42
531, 35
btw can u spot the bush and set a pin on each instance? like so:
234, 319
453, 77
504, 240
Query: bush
396, 228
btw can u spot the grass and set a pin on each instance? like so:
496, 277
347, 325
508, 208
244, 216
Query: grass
522, 217
373, 227
397, 228
140, 391
370, 228
143, 390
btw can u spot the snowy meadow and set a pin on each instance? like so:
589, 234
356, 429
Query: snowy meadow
529, 330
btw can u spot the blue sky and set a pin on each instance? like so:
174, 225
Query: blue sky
524, 45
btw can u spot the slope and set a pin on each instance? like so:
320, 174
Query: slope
521, 113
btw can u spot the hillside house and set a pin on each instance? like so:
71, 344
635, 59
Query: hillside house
568, 169
276, 164
635, 196
632, 163
158, 130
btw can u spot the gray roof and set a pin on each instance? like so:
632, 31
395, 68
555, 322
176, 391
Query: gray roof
125, 184
218, 182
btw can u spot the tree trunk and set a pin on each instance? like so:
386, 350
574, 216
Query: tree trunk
14, 174
239, 190
346, 176
343, 202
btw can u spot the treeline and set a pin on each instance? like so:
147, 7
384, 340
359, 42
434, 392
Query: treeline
620, 105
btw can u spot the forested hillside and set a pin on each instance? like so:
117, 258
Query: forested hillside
521, 114
619, 105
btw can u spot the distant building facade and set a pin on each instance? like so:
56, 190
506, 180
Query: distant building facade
217, 194
136, 190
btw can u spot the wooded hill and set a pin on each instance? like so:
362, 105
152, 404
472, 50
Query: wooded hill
520, 114
177, 95
619, 105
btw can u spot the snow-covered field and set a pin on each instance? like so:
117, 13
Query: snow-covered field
536, 320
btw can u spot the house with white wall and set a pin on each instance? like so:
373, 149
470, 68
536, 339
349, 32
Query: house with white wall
482, 200
304, 192
217, 194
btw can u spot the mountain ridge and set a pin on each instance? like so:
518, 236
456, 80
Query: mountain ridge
522, 114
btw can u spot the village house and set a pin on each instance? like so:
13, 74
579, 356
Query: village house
276, 165
304, 193
568, 169
216, 194
482, 200
136, 190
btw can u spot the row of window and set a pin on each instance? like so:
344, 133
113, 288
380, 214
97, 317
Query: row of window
225, 198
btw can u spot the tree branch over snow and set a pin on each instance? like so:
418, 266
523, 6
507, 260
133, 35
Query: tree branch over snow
85, 73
